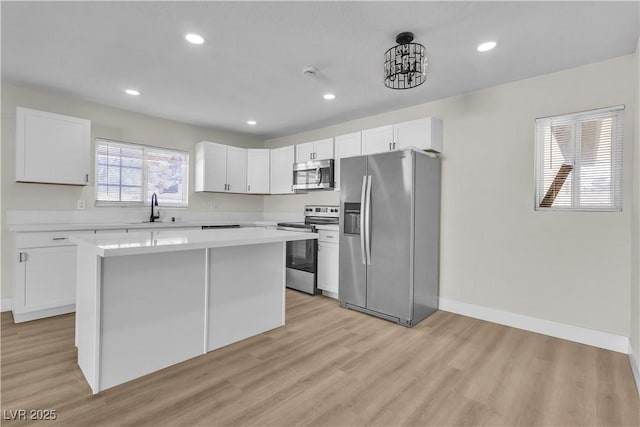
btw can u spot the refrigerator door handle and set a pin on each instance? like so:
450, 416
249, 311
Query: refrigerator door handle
367, 219
362, 210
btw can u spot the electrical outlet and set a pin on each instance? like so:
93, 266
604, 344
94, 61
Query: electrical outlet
81, 204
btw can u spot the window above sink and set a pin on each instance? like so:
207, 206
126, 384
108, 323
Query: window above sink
128, 174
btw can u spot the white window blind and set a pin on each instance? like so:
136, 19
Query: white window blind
128, 174
119, 172
579, 161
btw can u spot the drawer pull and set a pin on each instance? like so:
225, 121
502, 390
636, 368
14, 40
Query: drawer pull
60, 238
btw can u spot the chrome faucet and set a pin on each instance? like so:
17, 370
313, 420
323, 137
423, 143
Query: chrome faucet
154, 202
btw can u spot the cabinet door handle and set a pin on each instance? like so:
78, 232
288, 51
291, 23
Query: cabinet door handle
389, 146
394, 145
249, 187
60, 238
86, 178
22, 257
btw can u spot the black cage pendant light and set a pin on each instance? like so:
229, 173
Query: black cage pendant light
405, 65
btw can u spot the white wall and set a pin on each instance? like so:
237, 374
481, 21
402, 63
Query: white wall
496, 251
110, 123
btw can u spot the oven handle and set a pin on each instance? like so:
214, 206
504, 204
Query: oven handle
297, 230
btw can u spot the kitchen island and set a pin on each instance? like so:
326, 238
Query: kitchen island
149, 300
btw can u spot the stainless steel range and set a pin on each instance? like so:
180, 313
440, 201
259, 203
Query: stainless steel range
302, 255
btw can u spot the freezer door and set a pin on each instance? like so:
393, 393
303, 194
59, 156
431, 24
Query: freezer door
352, 284
389, 284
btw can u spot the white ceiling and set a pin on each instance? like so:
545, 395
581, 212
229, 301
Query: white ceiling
251, 65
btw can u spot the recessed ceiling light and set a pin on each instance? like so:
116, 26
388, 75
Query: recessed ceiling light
329, 96
194, 38
486, 46
252, 122
132, 92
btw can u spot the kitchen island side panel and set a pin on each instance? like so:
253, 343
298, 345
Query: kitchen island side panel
246, 293
87, 329
152, 313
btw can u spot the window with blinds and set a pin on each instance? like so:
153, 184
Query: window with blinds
579, 161
128, 174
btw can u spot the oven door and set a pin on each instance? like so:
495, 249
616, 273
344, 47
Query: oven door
302, 263
302, 254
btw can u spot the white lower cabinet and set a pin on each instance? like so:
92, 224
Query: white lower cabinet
45, 271
45, 281
328, 258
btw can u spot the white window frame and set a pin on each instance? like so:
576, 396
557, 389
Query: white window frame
617, 115
145, 149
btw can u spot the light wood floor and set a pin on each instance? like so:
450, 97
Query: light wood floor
334, 367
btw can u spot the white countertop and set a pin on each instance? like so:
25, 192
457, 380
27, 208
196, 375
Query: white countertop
140, 242
131, 225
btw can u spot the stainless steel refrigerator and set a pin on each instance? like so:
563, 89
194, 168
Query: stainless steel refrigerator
390, 235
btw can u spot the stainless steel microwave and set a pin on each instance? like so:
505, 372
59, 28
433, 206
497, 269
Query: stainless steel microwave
313, 175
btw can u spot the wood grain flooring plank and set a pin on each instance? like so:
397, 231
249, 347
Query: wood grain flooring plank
330, 366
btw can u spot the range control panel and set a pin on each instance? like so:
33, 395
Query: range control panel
322, 210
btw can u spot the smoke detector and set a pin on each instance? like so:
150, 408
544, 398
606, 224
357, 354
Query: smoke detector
309, 71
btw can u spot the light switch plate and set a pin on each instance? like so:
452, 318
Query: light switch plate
81, 204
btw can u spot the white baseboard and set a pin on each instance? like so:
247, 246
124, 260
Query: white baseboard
578, 334
330, 294
41, 314
5, 304
635, 369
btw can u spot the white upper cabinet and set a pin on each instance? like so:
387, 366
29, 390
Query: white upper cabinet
258, 171
211, 167
323, 149
52, 148
316, 150
377, 140
346, 146
236, 169
425, 134
282, 160
220, 168
304, 152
